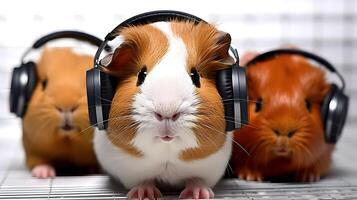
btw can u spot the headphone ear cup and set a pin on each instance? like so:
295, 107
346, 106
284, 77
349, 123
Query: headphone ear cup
231, 85
334, 113
23, 83
100, 91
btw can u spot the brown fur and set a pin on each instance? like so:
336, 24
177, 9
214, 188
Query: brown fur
284, 82
207, 47
122, 128
145, 46
43, 140
208, 51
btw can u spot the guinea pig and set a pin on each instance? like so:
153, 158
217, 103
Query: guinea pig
166, 124
285, 138
55, 125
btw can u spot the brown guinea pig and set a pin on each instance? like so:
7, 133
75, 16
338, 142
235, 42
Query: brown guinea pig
55, 125
285, 137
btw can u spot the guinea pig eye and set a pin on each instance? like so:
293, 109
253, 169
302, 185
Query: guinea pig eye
195, 77
141, 76
258, 105
44, 84
308, 105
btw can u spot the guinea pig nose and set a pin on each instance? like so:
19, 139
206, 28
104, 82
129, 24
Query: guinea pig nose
276, 132
291, 133
160, 117
175, 116
59, 109
74, 108
66, 110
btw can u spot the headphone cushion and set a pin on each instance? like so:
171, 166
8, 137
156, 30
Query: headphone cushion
90, 85
225, 90
100, 91
234, 95
108, 86
31, 70
243, 95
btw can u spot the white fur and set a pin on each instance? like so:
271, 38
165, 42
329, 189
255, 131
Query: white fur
159, 163
167, 89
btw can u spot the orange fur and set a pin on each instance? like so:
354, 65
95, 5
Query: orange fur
142, 46
284, 83
210, 129
207, 47
44, 142
207, 52
145, 46
121, 127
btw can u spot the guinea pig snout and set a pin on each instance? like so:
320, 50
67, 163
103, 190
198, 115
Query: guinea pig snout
285, 132
66, 109
159, 116
66, 122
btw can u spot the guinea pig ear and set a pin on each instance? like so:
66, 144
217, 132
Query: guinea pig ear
122, 57
106, 60
224, 43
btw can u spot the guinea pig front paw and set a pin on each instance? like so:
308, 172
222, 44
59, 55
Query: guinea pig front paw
196, 189
43, 171
308, 176
143, 191
249, 175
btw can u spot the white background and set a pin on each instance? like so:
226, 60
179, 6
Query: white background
326, 27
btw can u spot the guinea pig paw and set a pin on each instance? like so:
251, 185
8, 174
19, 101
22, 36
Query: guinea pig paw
197, 190
146, 190
250, 175
43, 171
308, 177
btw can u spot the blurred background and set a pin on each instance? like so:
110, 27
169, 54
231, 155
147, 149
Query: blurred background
326, 27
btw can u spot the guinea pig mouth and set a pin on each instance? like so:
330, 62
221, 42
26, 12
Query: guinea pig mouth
167, 138
67, 127
282, 151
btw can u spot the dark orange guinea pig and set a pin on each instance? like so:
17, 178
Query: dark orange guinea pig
285, 138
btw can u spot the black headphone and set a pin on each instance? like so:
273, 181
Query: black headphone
231, 82
335, 105
24, 77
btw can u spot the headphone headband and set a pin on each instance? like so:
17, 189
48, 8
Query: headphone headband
67, 34
151, 17
320, 60
147, 18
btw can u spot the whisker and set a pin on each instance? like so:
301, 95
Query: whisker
230, 168
239, 99
113, 118
214, 129
247, 124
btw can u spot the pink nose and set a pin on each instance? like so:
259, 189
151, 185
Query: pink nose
66, 110
161, 117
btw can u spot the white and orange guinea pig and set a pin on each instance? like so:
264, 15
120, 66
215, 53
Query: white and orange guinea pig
166, 124
55, 125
